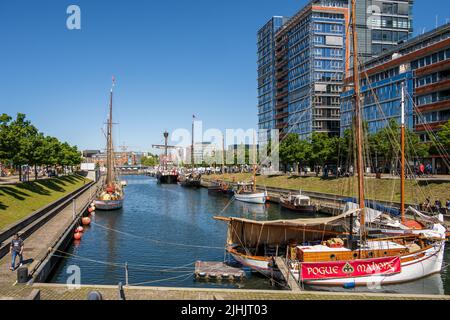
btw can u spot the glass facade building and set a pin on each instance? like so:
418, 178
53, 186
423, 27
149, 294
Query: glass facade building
310, 63
302, 61
381, 25
266, 72
423, 65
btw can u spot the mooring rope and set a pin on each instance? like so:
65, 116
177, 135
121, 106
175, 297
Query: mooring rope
157, 241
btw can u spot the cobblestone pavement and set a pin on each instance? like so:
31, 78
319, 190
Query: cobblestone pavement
62, 292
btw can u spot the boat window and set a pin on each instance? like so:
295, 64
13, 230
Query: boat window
355, 255
333, 257
370, 254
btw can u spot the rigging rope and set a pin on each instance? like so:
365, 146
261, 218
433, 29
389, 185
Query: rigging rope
156, 241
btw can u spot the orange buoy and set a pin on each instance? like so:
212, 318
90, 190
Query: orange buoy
80, 229
77, 236
86, 221
413, 224
267, 198
90, 210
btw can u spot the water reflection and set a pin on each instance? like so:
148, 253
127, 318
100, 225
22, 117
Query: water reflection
163, 229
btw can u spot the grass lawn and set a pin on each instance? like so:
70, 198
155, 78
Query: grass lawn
384, 189
19, 200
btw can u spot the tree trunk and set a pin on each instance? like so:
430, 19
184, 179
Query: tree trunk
35, 172
20, 173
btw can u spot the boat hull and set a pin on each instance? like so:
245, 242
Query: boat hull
191, 184
309, 209
252, 197
424, 263
167, 179
108, 205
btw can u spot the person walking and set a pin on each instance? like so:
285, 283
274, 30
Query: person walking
421, 170
16, 249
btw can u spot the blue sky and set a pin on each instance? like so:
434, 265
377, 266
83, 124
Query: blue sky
171, 59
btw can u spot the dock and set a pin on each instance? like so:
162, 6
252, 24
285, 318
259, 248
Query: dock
217, 270
287, 275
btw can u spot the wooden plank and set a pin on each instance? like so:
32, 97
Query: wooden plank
289, 278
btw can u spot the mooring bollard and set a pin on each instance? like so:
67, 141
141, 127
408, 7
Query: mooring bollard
121, 292
95, 295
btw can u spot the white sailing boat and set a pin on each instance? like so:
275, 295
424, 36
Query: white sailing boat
111, 196
250, 195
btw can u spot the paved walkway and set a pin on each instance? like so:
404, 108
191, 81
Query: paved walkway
62, 292
37, 245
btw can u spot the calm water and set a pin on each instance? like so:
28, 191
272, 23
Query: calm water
162, 230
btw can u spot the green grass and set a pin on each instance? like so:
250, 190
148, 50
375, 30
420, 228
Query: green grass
19, 200
385, 189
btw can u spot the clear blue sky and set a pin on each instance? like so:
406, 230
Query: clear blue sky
171, 59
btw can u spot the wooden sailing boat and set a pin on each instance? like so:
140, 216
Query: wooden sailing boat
111, 196
252, 196
164, 175
331, 254
192, 179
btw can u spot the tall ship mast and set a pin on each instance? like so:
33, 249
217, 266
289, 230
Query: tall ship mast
164, 175
111, 196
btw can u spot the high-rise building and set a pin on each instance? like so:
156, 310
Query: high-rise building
381, 25
422, 66
302, 61
310, 62
266, 72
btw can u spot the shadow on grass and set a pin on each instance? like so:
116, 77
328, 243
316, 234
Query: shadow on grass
13, 192
34, 187
3, 207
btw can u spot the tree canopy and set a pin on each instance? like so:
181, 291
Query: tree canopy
21, 143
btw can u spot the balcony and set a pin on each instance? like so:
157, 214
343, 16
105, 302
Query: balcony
281, 53
281, 105
281, 125
442, 103
281, 95
438, 86
282, 84
282, 74
429, 126
279, 116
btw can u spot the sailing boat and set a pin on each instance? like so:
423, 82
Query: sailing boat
251, 195
165, 176
330, 253
192, 179
111, 196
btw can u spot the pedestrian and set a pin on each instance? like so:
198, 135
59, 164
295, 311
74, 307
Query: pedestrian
428, 169
438, 205
421, 169
447, 205
16, 249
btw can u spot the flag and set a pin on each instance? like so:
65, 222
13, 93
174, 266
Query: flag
113, 80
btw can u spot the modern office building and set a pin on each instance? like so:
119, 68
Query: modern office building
266, 72
381, 25
422, 65
310, 62
302, 60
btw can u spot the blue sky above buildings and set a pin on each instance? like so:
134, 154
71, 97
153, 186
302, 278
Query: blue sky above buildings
171, 59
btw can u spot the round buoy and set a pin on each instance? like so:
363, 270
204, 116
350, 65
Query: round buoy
77, 236
267, 198
86, 221
90, 210
80, 229
93, 208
